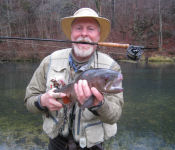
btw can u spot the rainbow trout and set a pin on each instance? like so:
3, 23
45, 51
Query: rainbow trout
105, 80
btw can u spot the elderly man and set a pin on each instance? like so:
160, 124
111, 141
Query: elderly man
71, 127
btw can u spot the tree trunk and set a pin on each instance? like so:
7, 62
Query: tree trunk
113, 13
8, 17
98, 6
160, 28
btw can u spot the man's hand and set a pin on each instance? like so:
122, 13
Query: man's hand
83, 92
48, 100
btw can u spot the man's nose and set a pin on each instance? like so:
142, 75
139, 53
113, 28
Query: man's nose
84, 32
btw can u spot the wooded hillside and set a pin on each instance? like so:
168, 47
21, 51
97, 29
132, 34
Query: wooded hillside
139, 22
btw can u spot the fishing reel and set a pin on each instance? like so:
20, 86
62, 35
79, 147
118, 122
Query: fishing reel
134, 52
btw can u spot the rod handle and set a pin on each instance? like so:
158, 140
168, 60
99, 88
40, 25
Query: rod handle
110, 44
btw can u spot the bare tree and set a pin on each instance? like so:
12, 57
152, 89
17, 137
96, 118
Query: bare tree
113, 13
98, 6
160, 29
8, 4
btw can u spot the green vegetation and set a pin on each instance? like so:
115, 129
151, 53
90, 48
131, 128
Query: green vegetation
17, 125
158, 58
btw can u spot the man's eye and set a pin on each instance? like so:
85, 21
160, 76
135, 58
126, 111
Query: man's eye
78, 28
91, 29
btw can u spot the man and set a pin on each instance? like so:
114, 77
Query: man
70, 127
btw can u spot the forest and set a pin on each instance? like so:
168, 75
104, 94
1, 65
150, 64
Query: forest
150, 23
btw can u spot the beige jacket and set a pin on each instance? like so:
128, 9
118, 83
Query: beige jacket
88, 129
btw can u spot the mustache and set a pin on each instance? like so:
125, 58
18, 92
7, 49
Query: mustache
84, 39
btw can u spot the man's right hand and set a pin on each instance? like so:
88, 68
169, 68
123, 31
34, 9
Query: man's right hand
48, 100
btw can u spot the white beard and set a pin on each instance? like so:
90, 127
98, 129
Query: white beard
83, 51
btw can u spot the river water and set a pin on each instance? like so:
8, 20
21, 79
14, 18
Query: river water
147, 122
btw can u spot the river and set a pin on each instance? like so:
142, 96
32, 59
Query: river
147, 122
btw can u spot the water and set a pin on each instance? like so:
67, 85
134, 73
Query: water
147, 122
19, 129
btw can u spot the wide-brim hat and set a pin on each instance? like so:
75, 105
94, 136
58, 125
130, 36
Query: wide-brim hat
104, 23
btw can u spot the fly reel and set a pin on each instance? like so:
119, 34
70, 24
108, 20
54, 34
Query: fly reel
134, 52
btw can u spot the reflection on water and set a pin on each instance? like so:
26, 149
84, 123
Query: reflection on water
147, 122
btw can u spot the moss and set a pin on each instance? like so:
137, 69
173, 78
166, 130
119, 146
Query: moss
173, 58
142, 58
22, 133
158, 58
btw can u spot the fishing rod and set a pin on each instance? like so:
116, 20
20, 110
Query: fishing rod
133, 52
107, 44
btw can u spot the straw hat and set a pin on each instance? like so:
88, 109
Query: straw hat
104, 23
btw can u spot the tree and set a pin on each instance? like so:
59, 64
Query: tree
160, 29
113, 13
98, 6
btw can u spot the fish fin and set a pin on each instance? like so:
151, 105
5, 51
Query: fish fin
66, 100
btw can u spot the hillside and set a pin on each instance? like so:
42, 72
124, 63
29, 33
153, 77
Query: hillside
136, 22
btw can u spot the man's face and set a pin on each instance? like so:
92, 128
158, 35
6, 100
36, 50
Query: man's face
85, 29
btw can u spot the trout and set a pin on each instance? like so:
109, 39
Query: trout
104, 80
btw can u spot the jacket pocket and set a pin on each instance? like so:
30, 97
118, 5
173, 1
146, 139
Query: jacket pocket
109, 130
51, 127
94, 134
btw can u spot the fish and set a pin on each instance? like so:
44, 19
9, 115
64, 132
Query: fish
104, 80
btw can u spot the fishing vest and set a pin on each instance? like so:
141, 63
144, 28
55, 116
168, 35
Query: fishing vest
86, 127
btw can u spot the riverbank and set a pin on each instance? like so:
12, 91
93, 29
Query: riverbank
143, 59
158, 59
32, 52
36, 54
